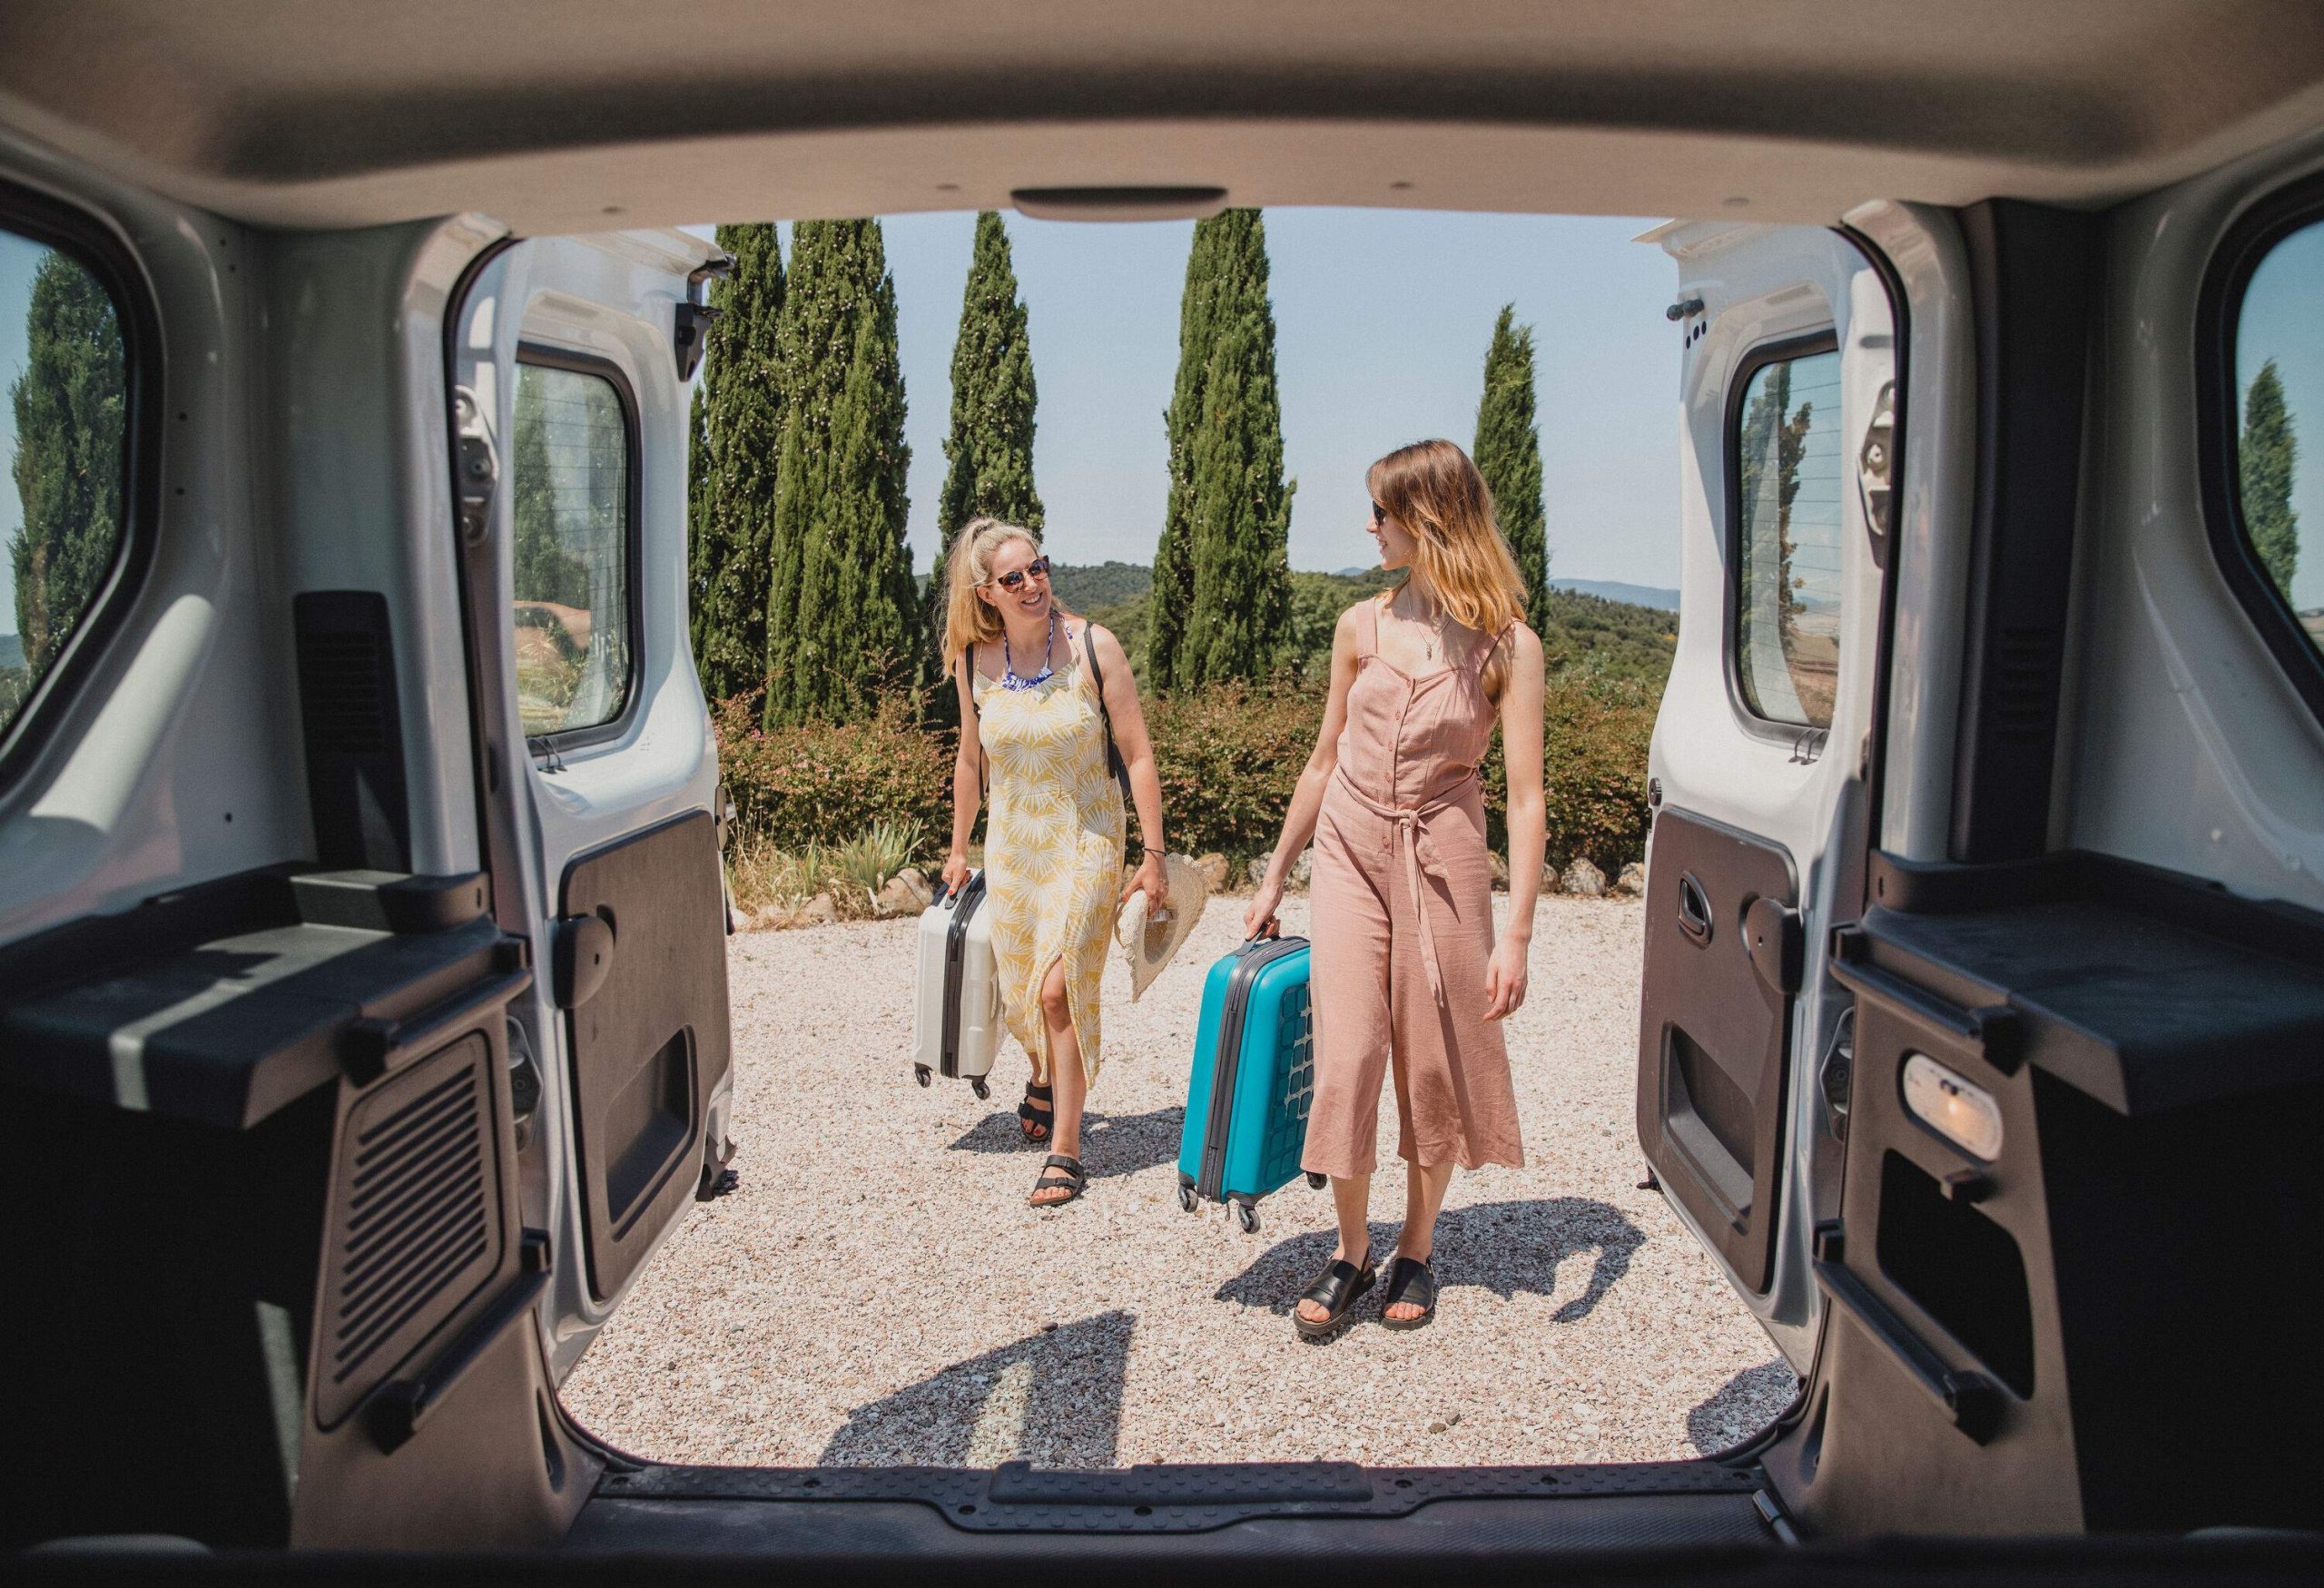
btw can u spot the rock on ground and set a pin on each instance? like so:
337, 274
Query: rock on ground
1583, 879
877, 1292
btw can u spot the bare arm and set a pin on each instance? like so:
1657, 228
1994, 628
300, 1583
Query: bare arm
1127, 715
968, 778
1307, 798
1521, 747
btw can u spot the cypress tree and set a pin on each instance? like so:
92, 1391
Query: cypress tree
990, 448
546, 571
843, 609
69, 417
741, 394
1222, 576
1509, 455
2267, 455
698, 561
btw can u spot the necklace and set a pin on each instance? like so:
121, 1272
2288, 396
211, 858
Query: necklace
1009, 679
1434, 641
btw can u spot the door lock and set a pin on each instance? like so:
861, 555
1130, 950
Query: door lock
476, 464
1837, 1073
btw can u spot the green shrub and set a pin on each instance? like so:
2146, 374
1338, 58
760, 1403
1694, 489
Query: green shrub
860, 799
828, 784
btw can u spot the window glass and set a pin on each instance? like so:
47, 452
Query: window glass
61, 439
1788, 569
2280, 422
570, 473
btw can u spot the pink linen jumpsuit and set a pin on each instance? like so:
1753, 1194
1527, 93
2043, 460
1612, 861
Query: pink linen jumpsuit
1401, 899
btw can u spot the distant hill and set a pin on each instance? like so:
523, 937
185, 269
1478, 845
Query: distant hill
1615, 590
1628, 638
12, 650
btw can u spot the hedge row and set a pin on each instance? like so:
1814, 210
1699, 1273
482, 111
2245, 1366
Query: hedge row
1229, 758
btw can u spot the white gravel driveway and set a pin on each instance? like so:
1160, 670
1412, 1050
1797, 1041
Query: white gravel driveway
877, 1291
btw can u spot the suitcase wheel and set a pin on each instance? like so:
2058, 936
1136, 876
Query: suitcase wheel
1247, 1216
1185, 1196
919, 1073
980, 1089
1317, 1181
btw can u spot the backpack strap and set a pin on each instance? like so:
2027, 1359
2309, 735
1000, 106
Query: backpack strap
968, 677
1105, 717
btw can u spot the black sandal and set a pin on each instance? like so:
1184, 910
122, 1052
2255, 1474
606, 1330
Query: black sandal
1411, 1282
1069, 1177
1036, 1121
1341, 1286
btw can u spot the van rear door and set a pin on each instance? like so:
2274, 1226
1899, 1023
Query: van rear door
570, 369
1758, 764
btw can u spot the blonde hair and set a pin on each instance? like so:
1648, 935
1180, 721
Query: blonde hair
968, 621
1437, 495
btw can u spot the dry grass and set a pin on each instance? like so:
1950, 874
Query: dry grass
758, 873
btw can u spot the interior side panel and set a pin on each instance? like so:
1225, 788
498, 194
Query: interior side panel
645, 921
1722, 963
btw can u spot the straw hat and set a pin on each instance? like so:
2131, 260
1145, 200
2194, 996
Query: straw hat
1148, 941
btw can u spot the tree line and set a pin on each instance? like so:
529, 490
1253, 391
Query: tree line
802, 581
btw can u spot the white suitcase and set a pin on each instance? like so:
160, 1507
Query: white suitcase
956, 1013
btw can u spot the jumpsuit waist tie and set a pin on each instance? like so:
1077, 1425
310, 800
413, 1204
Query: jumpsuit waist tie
1419, 855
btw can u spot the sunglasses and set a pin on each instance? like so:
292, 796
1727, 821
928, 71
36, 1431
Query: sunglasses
1039, 564
1379, 514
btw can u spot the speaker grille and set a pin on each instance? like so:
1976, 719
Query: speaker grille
416, 1223
342, 691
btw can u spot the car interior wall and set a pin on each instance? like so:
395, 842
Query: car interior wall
2173, 674
175, 757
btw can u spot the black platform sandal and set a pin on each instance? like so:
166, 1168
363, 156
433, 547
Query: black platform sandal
1342, 1285
1067, 1176
1413, 1283
1036, 1121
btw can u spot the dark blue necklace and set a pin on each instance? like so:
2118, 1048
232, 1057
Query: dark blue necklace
1008, 675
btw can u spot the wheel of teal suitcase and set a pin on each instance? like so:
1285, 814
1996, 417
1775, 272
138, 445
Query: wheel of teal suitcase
1317, 1182
1185, 1194
980, 1089
1246, 1214
919, 1073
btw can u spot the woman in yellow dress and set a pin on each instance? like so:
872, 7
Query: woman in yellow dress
1034, 724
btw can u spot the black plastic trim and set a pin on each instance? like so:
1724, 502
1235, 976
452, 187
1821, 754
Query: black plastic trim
2218, 312
1804, 739
91, 241
543, 356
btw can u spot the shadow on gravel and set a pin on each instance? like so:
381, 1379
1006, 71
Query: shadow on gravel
1053, 1399
1111, 1144
1500, 1247
1744, 1405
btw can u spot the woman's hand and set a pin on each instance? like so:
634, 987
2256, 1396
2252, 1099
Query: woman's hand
1505, 977
956, 872
1259, 921
1153, 878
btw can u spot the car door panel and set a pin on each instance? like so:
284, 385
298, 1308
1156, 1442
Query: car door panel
1714, 1027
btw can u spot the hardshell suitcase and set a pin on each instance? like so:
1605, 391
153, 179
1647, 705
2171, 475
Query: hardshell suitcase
1253, 1079
956, 1013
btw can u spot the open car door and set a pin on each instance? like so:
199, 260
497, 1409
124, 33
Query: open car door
570, 365
1760, 755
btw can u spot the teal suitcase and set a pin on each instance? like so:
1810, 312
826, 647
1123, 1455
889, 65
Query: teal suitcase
1253, 1079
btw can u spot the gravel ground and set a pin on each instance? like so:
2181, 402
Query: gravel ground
877, 1291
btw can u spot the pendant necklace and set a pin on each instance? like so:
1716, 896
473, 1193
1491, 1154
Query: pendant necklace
1008, 675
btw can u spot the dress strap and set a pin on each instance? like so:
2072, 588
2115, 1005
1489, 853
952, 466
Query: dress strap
1484, 652
1370, 646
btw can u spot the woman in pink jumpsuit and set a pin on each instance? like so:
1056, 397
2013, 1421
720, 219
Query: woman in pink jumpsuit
1407, 975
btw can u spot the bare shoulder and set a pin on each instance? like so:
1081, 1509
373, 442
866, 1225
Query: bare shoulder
1110, 654
1523, 644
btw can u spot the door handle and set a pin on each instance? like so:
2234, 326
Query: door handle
371, 1048
1993, 1031
1694, 909
581, 956
1971, 1402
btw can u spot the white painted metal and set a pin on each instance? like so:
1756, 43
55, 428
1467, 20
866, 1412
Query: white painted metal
2190, 750
1762, 285
610, 298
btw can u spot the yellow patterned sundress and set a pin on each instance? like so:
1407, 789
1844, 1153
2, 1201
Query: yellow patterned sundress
1052, 851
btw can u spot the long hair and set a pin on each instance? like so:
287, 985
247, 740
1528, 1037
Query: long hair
968, 620
1437, 495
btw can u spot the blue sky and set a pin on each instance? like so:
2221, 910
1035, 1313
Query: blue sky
1381, 318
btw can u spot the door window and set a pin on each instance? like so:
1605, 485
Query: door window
572, 473
2280, 425
1786, 483
61, 443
